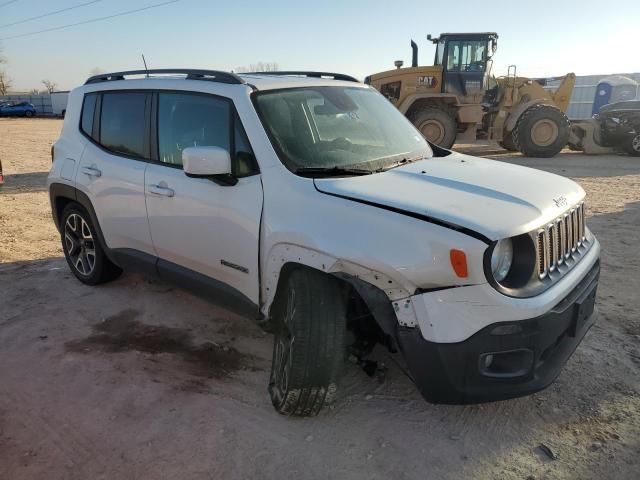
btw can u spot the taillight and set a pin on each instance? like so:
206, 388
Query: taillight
52, 154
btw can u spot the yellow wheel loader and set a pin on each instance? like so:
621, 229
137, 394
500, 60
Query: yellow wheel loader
457, 98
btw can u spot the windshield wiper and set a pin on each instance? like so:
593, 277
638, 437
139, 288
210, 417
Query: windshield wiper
404, 161
331, 171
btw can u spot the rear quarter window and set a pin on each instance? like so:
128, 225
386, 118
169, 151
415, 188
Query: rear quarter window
88, 111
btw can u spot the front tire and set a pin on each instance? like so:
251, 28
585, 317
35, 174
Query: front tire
632, 146
436, 125
541, 131
28, 114
82, 249
309, 344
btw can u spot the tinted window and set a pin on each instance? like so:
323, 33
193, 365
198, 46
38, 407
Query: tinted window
122, 123
245, 163
88, 109
186, 120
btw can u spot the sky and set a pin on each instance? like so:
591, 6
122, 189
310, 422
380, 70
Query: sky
349, 36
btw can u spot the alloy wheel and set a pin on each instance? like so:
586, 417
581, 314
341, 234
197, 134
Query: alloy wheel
79, 244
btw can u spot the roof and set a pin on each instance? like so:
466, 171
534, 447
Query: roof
273, 81
257, 80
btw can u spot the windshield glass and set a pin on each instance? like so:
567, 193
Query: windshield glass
343, 127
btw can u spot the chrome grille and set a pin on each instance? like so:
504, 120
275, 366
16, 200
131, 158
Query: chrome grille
560, 240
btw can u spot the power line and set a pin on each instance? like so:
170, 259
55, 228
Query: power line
48, 14
7, 3
128, 12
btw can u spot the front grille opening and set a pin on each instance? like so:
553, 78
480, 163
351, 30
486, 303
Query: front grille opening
560, 240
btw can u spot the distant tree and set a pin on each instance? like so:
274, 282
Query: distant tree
5, 83
50, 85
95, 71
34, 91
259, 67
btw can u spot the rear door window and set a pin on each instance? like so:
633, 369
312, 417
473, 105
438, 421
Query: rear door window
122, 123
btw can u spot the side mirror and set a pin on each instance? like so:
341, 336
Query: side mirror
206, 161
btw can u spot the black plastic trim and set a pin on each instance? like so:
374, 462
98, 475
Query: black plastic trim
451, 373
208, 288
191, 74
295, 73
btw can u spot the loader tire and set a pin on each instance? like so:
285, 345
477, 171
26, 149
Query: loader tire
507, 142
309, 342
541, 131
436, 125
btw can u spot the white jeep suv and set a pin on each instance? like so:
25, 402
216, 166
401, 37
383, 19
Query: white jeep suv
306, 201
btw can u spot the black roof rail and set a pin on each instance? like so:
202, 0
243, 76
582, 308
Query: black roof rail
335, 76
210, 75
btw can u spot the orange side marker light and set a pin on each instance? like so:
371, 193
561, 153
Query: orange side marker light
459, 262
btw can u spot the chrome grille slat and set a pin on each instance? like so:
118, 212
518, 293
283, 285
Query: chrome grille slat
560, 240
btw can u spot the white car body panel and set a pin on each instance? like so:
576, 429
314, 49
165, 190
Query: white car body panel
454, 314
118, 197
466, 191
207, 227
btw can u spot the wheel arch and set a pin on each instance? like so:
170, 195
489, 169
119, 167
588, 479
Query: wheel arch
378, 291
60, 195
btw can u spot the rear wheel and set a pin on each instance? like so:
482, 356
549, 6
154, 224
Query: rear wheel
633, 146
436, 125
309, 344
83, 250
541, 131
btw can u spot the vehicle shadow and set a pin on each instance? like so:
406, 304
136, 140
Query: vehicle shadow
24, 183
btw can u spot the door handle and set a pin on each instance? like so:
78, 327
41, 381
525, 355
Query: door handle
91, 171
161, 190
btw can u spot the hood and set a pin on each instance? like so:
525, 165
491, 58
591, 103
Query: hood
494, 199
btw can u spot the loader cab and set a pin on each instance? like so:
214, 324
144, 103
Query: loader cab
465, 59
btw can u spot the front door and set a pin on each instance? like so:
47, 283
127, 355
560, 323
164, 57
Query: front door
202, 229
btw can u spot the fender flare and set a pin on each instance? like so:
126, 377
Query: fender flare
286, 254
61, 190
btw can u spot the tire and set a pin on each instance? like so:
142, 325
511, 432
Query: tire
28, 114
507, 142
541, 131
309, 343
632, 146
82, 249
436, 125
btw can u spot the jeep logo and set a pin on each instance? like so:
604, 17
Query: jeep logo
561, 201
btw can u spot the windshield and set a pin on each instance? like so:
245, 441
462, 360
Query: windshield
338, 127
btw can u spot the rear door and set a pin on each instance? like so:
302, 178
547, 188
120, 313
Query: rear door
204, 230
112, 167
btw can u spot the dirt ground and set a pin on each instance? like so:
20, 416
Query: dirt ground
137, 379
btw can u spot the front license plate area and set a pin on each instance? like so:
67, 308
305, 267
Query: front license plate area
583, 310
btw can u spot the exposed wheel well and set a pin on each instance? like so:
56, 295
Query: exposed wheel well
370, 315
59, 205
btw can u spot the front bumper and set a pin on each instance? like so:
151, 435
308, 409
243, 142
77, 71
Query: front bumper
526, 355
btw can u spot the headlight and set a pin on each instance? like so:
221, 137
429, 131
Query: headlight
501, 259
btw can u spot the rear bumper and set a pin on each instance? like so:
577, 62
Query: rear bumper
526, 355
